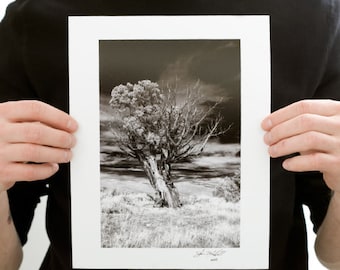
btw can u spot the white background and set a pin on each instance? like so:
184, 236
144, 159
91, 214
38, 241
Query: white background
38, 242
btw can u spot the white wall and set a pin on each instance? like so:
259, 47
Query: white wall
3, 4
36, 247
38, 241
313, 261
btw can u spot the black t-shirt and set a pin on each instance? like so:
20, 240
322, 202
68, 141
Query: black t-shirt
305, 42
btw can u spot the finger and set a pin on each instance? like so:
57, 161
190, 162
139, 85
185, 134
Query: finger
28, 172
320, 107
315, 161
35, 153
36, 111
301, 124
306, 142
37, 133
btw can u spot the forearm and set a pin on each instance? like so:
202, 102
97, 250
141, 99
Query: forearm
10, 246
327, 245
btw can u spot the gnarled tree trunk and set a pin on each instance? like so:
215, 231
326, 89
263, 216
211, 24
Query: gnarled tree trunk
168, 195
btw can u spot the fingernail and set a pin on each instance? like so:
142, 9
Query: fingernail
268, 138
272, 151
269, 123
285, 165
68, 156
72, 141
55, 167
72, 125
266, 124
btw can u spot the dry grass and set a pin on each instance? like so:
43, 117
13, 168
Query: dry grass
131, 221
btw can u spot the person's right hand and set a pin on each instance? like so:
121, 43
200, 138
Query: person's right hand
34, 138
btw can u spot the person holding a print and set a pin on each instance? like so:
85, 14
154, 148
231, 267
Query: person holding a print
303, 132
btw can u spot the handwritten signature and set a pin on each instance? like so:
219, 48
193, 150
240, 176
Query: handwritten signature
214, 253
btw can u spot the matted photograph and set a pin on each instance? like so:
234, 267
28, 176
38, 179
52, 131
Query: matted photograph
170, 170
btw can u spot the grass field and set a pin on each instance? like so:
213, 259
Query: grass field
130, 220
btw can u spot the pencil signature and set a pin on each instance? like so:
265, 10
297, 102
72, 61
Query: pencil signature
213, 253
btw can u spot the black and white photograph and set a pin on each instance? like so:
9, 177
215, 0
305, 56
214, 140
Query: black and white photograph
170, 143
167, 167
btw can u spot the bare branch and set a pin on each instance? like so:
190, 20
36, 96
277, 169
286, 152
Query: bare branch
158, 121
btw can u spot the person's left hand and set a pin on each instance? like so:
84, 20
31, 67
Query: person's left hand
310, 128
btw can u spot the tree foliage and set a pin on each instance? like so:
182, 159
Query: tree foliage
157, 123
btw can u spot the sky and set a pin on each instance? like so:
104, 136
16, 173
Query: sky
215, 64
212, 62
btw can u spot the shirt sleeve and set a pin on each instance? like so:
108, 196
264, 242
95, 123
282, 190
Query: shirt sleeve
14, 85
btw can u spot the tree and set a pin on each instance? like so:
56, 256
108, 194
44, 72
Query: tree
158, 129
